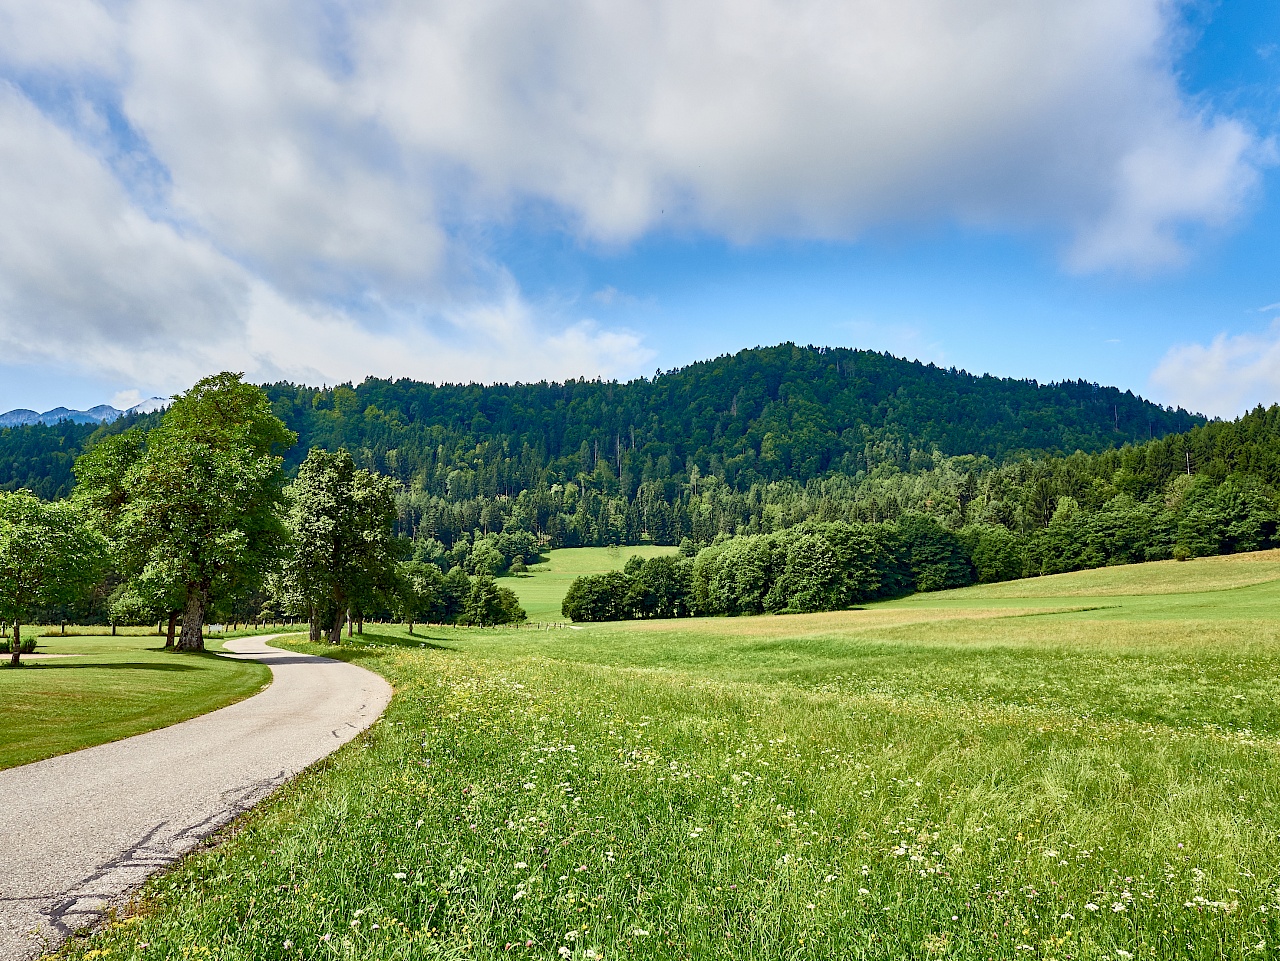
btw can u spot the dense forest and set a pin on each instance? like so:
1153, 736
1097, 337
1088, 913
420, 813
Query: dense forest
844, 540
898, 476
758, 416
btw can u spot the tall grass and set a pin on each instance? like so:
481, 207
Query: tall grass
920, 780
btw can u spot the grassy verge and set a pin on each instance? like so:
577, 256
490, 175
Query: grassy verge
1081, 776
110, 688
542, 590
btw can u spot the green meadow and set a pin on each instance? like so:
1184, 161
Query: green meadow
98, 688
1082, 766
543, 588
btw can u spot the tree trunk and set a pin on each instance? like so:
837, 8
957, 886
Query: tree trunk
360, 626
335, 632
314, 625
192, 638
173, 625
15, 645
411, 627
350, 624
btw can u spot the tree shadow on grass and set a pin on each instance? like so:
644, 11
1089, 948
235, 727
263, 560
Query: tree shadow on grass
142, 666
353, 648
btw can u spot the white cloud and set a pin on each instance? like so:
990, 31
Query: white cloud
125, 399
756, 117
58, 34
900, 339
1226, 377
497, 340
282, 186
85, 274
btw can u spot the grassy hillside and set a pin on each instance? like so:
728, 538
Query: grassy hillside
542, 590
1087, 774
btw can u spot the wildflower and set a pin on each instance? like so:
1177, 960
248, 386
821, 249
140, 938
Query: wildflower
1117, 907
591, 953
529, 785
640, 932
564, 952
399, 875
1091, 906
287, 944
571, 935
863, 891
521, 865
1124, 954
518, 895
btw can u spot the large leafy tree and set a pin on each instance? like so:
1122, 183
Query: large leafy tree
192, 508
340, 520
48, 556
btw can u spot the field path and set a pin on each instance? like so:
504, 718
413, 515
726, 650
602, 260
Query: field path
79, 831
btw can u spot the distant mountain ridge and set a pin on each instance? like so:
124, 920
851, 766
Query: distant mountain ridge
102, 414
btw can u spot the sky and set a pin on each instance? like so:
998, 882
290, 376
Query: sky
493, 191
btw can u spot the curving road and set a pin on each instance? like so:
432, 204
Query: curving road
79, 831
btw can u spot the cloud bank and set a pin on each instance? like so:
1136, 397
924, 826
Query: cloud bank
1226, 377
294, 189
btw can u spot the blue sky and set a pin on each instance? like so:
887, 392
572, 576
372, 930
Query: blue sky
319, 192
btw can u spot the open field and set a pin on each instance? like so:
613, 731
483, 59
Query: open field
542, 590
1079, 776
114, 687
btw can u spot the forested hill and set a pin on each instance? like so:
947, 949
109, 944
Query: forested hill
767, 414
760, 415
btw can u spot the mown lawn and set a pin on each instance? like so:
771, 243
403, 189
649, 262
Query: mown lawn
542, 590
970, 775
112, 687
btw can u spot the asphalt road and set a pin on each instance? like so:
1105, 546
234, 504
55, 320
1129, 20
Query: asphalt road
80, 831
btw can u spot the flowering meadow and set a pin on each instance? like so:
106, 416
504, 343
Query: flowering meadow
961, 775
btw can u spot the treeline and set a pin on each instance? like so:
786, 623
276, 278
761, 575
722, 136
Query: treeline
841, 541
192, 519
1154, 479
758, 416
593, 462
818, 566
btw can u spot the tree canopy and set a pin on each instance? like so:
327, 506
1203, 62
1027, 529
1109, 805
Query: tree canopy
47, 557
191, 506
340, 522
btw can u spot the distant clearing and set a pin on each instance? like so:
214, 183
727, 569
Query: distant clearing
543, 589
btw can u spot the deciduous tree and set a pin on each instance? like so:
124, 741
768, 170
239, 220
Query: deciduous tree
192, 507
47, 556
